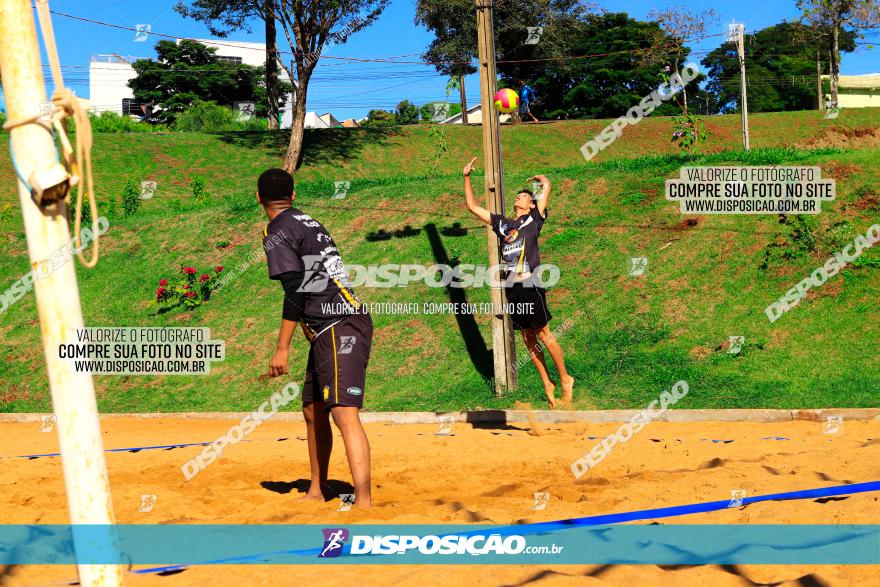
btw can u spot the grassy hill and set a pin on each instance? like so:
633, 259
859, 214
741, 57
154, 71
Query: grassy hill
708, 277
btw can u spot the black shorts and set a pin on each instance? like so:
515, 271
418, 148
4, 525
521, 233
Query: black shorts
528, 306
336, 371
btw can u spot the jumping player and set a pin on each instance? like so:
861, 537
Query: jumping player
302, 256
521, 256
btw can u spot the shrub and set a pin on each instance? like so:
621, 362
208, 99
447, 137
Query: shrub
131, 197
689, 132
188, 290
86, 217
110, 122
199, 189
799, 241
211, 117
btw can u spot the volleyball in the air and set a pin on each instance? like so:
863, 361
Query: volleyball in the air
506, 100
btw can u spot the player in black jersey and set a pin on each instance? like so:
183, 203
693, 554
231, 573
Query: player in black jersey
519, 250
303, 257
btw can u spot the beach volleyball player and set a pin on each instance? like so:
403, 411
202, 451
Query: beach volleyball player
303, 258
527, 300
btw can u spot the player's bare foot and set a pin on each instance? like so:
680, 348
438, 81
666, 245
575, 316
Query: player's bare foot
318, 494
567, 389
550, 392
363, 502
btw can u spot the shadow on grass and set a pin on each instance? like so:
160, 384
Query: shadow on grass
320, 146
480, 355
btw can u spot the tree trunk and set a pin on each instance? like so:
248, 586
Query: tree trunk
835, 63
294, 150
463, 100
684, 92
820, 99
271, 66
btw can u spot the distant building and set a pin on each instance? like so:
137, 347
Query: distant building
109, 76
350, 123
475, 116
313, 120
857, 91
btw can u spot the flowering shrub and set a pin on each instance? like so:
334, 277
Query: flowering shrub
689, 132
190, 290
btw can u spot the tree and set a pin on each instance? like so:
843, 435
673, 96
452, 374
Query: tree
679, 24
308, 25
406, 113
226, 16
189, 71
840, 17
781, 70
607, 85
379, 118
454, 24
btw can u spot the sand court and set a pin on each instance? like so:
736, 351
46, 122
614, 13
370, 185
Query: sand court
480, 473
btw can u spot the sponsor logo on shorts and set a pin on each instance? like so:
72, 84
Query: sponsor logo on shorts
334, 539
346, 345
326, 391
355, 391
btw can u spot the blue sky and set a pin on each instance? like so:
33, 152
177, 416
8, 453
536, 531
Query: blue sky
348, 89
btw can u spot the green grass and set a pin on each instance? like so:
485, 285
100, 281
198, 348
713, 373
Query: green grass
630, 338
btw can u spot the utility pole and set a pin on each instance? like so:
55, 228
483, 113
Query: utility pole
743, 100
462, 99
503, 342
47, 231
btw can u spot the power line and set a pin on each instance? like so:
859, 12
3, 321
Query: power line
393, 59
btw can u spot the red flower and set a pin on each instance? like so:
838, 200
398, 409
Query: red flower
218, 268
163, 282
189, 270
160, 292
190, 294
204, 278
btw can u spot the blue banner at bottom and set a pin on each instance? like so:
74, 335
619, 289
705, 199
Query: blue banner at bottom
439, 544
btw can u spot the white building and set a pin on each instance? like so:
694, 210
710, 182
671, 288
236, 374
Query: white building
313, 120
109, 76
475, 116
108, 82
861, 91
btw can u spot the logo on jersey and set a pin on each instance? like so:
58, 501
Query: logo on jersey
511, 236
334, 540
320, 270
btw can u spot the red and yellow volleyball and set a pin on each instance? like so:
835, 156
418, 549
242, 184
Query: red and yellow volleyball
506, 100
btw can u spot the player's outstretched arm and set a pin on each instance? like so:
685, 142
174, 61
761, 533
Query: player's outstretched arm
476, 210
542, 203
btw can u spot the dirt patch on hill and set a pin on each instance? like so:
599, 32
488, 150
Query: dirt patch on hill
848, 138
838, 170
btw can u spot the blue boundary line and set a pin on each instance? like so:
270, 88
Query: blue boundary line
599, 520
154, 447
169, 446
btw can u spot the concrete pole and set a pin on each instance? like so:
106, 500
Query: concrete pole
503, 342
47, 230
744, 103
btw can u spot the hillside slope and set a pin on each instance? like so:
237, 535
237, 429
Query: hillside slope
629, 337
